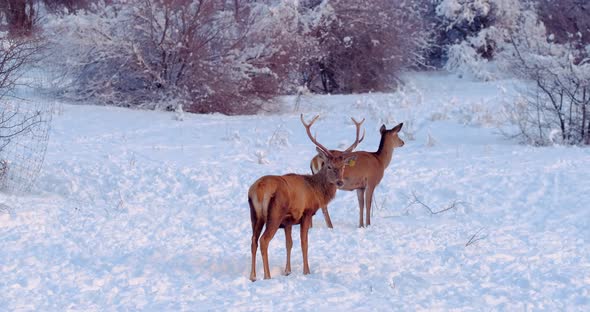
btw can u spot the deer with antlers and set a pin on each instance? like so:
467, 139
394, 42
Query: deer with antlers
317, 162
365, 173
282, 201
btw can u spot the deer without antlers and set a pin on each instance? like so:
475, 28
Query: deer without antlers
282, 201
366, 172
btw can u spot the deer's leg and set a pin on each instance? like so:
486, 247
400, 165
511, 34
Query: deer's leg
256, 229
305, 224
360, 194
327, 216
272, 225
369, 198
289, 245
257, 225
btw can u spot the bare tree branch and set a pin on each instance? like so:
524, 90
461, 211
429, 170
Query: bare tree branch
14, 123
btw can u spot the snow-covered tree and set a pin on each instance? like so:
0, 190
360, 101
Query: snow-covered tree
556, 108
365, 43
22, 17
217, 58
472, 31
19, 47
18, 16
566, 18
15, 54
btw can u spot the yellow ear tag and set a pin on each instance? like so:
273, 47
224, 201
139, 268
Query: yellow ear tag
351, 162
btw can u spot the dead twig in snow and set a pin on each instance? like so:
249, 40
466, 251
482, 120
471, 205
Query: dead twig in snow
475, 238
416, 200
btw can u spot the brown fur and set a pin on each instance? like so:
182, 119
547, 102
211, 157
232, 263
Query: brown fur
367, 171
282, 201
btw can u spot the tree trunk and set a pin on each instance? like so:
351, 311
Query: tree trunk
324, 77
561, 116
583, 138
20, 16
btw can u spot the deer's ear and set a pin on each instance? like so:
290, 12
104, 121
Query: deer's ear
382, 129
350, 161
398, 127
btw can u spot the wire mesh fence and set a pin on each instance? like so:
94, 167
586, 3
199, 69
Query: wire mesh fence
24, 135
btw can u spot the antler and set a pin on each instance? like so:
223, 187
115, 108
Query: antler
307, 128
358, 130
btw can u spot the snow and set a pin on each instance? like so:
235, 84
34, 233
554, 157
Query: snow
135, 210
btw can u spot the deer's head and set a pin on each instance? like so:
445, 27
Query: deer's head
334, 163
391, 137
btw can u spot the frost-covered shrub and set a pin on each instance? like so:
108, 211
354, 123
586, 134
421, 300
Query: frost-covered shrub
462, 58
67, 6
472, 31
557, 103
365, 44
16, 53
143, 53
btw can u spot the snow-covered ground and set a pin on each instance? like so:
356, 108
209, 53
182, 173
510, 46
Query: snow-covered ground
135, 210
